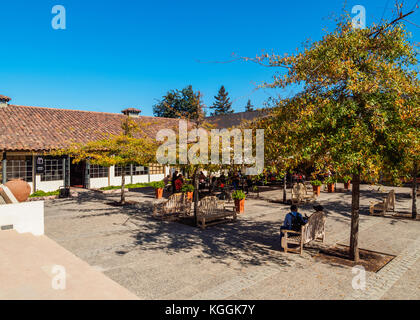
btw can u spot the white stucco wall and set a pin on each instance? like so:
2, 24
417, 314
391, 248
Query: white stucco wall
156, 177
48, 186
24, 216
96, 183
141, 179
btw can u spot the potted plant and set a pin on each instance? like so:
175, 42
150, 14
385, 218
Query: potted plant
330, 181
239, 197
158, 186
347, 180
189, 190
316, 186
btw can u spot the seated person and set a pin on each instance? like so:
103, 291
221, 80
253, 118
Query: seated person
293, 221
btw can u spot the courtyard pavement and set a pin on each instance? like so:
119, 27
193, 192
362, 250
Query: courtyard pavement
168, 260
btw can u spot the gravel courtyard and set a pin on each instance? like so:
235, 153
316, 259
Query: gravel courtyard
169, 260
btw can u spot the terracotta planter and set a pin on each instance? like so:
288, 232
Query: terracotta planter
330, 188
20, 189
159, 193
347, 185
190, 194
240, 205
317, 190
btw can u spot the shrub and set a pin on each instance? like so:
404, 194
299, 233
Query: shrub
41, 193
346, 178
157, 184
238, 195
316, 183
187, 188
330, 180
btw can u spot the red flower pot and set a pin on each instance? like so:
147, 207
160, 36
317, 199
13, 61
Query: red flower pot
330, 187
317, 190
159, 193
240, 205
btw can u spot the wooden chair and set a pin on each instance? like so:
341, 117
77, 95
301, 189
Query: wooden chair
305, 193
212, 211
314, 229
177, 204
296, 195
383, 206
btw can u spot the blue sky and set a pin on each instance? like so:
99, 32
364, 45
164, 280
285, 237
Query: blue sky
118, 54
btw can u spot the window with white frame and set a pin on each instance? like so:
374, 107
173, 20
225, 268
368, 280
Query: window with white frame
19, 167
139, 170
118, 170
97, 171
53, 169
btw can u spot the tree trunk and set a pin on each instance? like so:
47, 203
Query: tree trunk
196, 195
284, 188
354, 232
123, 185
414, 203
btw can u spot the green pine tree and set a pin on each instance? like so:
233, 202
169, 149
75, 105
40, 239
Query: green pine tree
222, 105
183, 103
249, 106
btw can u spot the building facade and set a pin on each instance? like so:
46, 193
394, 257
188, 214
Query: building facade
28, 134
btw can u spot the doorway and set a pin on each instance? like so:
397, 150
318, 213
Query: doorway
77, 174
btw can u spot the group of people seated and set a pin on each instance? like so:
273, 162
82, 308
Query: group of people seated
177, 181
294, 220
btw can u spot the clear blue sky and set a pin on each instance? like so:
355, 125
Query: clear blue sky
117, 54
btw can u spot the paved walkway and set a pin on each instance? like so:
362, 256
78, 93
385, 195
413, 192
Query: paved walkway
167, 260
31, 268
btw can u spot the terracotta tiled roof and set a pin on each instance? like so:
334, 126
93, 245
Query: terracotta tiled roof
4, 98
37, 128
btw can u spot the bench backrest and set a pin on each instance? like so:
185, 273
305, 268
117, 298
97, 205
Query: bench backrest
176, 203
390, 199
315, 227
208, 206
295, 191
303, 190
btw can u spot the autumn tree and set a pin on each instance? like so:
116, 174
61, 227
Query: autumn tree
358, 109
131, 146
179, 104
222, 105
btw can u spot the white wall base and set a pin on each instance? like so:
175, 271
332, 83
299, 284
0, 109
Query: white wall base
24, 216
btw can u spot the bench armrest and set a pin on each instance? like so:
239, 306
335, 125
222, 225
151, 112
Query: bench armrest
290, 231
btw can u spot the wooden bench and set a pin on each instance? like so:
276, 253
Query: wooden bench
296, 197
383, 206
177, 204
314, 229
213, 211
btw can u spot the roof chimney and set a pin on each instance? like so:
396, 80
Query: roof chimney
131, 112
4, 101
